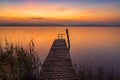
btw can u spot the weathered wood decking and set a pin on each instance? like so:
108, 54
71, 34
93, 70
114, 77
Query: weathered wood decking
58, 64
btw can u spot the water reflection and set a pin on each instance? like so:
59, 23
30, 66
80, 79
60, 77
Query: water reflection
98, 44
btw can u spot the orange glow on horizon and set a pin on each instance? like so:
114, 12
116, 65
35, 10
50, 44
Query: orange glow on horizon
56, 13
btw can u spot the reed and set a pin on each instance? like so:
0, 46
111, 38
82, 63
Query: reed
19, 63
89, 71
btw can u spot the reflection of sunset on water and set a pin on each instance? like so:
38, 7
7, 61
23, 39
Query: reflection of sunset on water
81, 38
87, 43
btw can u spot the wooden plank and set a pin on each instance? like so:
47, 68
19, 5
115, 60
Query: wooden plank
58, 64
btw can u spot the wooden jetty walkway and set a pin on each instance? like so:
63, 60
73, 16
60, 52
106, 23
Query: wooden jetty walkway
58, 64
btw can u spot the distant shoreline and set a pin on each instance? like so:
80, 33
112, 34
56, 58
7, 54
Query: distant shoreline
60, 25
56, 24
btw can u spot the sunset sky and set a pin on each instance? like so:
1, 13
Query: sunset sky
60, 11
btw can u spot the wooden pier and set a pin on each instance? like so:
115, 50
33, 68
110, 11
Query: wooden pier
58, 64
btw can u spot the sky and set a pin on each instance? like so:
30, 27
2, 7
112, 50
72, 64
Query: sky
60, 11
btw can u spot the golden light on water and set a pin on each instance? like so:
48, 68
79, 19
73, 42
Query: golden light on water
41, 34
97, 44
81, 38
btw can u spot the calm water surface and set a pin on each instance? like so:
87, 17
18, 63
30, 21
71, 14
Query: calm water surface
100, 45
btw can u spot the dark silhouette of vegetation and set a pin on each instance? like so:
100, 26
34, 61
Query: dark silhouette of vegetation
18, 63
90, 71
85, 72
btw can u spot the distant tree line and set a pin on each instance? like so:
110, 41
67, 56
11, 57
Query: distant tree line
18, 63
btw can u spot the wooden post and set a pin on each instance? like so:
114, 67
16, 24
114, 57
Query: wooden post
67, 33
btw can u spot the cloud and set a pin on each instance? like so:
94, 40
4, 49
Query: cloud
37, 18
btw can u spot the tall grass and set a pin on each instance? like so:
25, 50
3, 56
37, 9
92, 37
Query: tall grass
18, 63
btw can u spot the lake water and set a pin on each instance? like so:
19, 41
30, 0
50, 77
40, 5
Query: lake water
100, 45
